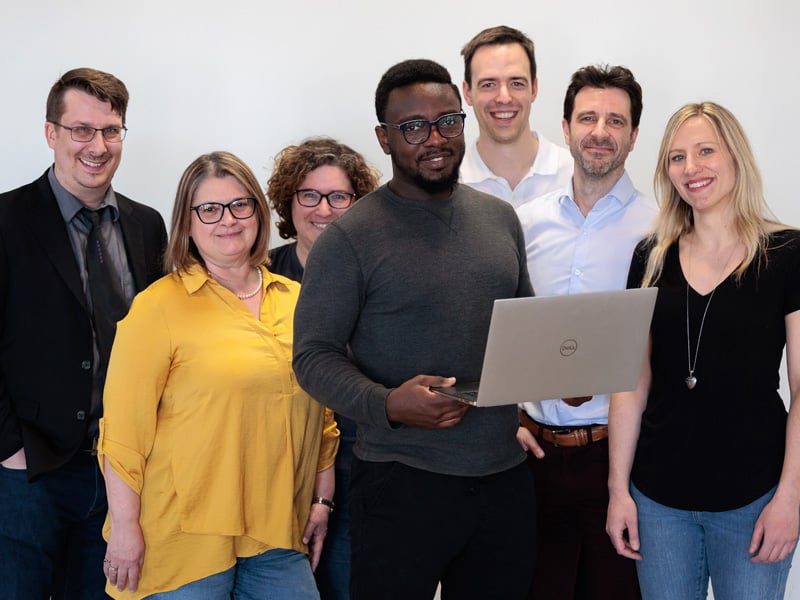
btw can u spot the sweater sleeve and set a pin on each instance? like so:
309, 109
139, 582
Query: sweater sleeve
327, 312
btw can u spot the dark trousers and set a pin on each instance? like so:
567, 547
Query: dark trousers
50, 533
333, 572
411, 529
575, 558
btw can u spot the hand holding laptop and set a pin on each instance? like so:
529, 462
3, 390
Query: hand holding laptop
415, 405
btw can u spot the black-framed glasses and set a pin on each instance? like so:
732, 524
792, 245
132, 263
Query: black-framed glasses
84, 133
212, 212
419, 130
336, 199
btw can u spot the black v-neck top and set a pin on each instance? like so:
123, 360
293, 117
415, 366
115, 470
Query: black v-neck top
720, 445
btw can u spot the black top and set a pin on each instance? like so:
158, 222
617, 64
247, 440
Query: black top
284, 261
720, 445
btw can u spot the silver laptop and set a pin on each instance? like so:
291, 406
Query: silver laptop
561, 347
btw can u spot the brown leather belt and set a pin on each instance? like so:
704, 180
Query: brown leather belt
569, 437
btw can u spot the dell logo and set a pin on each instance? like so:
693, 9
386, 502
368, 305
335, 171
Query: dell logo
568, 347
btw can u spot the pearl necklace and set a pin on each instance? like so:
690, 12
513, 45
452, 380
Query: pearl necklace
691, 380
247, 295
257, 289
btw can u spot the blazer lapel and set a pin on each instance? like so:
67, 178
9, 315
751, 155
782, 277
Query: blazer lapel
46, 224
133, 234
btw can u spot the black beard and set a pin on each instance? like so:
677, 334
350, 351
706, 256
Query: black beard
439, 185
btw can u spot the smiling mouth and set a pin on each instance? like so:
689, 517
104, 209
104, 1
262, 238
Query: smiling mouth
436, 161
694, 185
504, 115
93, 164
319, 225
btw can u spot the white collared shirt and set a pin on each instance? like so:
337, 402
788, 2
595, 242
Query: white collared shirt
572, 254
551, 170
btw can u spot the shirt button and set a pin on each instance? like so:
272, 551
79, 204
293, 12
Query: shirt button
81, 415
86, 365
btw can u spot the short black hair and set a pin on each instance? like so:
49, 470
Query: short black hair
604, 76
408, 72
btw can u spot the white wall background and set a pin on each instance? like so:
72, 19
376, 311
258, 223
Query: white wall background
252, 77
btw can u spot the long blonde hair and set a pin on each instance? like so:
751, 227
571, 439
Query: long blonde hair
752, 217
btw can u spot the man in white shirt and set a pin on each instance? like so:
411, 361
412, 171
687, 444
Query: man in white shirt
581, 239
508, 160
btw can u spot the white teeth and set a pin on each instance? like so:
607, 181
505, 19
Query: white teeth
320, 225
91, 164
698, 184
503, 115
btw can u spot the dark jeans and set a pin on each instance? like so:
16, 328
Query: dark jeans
411, 529
50, 533
574, 556
333, 571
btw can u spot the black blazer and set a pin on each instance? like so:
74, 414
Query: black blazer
46, 348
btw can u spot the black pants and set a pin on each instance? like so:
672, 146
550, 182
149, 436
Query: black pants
411, 529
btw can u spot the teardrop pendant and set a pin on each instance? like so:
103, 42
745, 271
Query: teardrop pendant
691, 381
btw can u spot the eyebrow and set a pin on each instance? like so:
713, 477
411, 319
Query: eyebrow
424, 118
512, 78
701, 143
611, 114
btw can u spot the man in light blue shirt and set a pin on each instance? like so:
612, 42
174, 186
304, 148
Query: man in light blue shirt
580, 239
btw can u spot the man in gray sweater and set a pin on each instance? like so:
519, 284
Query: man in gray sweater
397, 297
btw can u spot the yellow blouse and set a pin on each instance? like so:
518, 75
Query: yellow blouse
204, 419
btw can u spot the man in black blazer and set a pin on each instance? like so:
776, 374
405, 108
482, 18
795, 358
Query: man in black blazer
52, 366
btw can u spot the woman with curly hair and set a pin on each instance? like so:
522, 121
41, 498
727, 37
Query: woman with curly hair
311, 185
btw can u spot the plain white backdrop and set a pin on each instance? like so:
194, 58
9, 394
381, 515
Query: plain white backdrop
252, 77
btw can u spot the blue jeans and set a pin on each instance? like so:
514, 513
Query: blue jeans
681, 549
274, 575
50, 532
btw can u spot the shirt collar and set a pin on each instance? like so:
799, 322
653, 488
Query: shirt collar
196, 276
623, 192
70, 206
545, 163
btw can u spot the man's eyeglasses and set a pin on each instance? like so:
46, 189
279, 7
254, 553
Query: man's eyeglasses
418, 131
82, 133
311, 198
212, 212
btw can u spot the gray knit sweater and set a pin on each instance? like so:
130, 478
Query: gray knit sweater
407, 286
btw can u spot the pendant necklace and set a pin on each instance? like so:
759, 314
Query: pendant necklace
691, 380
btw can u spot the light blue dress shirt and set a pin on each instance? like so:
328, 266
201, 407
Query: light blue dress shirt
572, 254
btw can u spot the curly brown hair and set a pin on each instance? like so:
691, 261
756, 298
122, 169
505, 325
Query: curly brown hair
293, 163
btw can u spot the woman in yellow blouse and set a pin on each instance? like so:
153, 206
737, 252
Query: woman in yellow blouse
219, 468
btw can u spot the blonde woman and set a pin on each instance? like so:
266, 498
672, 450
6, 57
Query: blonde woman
705, 463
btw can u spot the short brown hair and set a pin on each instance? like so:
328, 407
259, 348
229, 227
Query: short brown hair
101, 85
181, 250
293, 163
497, 36
605, 77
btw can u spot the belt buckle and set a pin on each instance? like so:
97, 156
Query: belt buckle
557, 432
